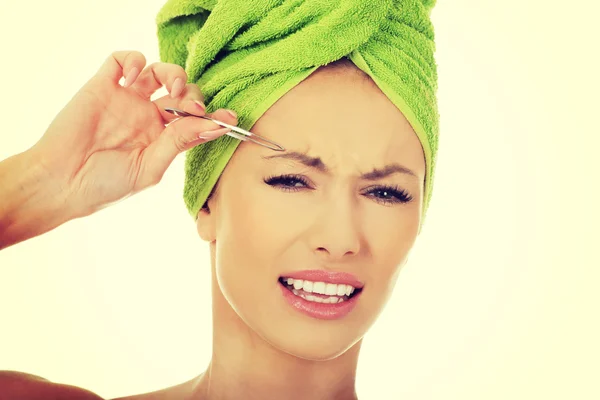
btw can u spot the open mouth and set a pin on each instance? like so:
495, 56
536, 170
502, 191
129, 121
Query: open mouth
319, 292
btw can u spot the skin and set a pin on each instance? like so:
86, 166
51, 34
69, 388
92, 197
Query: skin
262, 347
261, 344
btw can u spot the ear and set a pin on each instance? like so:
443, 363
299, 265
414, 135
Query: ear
205, 224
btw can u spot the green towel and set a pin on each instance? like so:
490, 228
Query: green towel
239, 51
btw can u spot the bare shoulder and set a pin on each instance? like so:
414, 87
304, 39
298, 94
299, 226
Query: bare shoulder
21, 386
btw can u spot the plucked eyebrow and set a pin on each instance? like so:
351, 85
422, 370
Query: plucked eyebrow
318, 164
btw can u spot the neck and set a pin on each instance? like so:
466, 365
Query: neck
255, 378
244, 365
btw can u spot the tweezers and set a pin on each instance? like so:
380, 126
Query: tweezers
236, 132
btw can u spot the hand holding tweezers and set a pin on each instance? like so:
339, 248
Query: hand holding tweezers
236, 132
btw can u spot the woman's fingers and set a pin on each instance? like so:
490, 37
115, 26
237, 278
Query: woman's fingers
145, 81
179, 136
127, 63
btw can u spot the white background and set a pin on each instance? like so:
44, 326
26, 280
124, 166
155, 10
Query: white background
500, 297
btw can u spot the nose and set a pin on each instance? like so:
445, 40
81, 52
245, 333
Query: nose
335, 233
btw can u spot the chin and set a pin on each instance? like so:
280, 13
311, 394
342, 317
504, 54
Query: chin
312, 344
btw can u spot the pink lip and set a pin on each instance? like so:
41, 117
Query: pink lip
319, 310
317, 275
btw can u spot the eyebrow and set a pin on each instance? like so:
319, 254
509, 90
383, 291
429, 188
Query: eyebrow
319, 165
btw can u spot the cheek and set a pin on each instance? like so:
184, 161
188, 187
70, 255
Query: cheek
249, 244
390, 239
249, 227
391, 233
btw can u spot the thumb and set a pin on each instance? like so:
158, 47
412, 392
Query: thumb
179, 136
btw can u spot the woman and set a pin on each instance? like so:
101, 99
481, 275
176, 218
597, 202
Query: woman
305, 245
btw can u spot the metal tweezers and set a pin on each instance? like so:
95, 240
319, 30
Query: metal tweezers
236, 132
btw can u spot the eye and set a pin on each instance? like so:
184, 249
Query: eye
389, 195
291, 183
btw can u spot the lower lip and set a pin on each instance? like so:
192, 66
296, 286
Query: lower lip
319, 310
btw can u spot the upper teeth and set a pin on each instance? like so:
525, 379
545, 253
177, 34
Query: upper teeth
330, 289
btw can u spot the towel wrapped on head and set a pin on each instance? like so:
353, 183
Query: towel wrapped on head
246, 54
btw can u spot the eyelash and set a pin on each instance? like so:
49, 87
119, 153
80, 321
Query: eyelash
399, 195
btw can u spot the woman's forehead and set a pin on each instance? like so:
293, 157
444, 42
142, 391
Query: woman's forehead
341, 118
339, 115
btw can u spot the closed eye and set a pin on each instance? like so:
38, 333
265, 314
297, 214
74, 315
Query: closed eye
384, 194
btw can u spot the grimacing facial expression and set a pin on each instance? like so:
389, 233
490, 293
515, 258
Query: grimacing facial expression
272, 216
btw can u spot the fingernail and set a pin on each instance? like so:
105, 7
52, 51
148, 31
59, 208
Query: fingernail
177, 87
200, 104
232, 113
131, 76
208, 135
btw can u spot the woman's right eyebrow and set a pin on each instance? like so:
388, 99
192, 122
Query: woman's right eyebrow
319, 165
303, 158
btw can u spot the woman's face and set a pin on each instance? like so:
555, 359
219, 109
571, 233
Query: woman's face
317, 206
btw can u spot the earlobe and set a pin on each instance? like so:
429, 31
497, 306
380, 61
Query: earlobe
205, 225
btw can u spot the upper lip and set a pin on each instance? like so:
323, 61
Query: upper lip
319, 275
